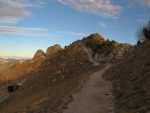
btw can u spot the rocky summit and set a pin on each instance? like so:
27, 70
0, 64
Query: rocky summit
39, 53
104, 50
52, 50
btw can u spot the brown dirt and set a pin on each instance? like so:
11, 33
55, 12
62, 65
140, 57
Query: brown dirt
95, 96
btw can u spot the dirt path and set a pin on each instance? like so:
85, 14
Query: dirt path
90, 56
95, 97
2, 98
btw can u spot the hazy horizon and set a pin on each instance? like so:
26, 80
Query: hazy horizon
15, 57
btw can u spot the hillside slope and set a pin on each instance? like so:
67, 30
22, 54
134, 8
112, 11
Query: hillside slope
16, 71
130, 79
51, 79
4, 68
52, 86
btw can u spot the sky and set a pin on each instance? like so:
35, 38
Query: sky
29, 25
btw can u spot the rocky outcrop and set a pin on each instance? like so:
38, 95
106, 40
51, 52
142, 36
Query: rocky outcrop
40, 53
95, 36
121, 49
118, 52
52, 50
104, 50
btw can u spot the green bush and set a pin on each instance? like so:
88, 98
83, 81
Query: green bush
98, 45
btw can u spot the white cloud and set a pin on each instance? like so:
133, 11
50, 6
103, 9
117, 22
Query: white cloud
71, 33
103, 8
11, 11
23, 31
102, 25
140, 2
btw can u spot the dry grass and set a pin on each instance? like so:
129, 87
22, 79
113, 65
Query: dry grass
51, 87
130, 79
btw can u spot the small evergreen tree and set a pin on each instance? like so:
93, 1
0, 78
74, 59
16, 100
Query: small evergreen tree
144, 33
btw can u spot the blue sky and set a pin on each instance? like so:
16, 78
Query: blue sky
28, 25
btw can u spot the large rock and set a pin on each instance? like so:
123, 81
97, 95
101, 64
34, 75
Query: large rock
96, 36
121, 49
53, 49
40, 53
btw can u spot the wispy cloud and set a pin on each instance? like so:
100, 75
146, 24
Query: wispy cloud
23, 31
103, 8
102, 25
11, 11
80, 34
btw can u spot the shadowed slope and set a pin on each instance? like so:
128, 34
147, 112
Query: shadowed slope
130, 78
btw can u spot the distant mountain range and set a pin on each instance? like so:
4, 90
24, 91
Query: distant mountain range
3, 61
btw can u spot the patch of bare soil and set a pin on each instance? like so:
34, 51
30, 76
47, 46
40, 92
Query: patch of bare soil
95, 96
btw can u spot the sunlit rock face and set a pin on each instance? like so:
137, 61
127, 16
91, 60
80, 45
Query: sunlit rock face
104, 50
40, 53
52, 50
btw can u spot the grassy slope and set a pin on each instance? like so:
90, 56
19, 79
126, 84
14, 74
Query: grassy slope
130, 78
53, 85
16, 71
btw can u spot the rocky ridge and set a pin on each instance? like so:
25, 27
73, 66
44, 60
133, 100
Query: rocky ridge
39, 53
105, 50
52, 78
